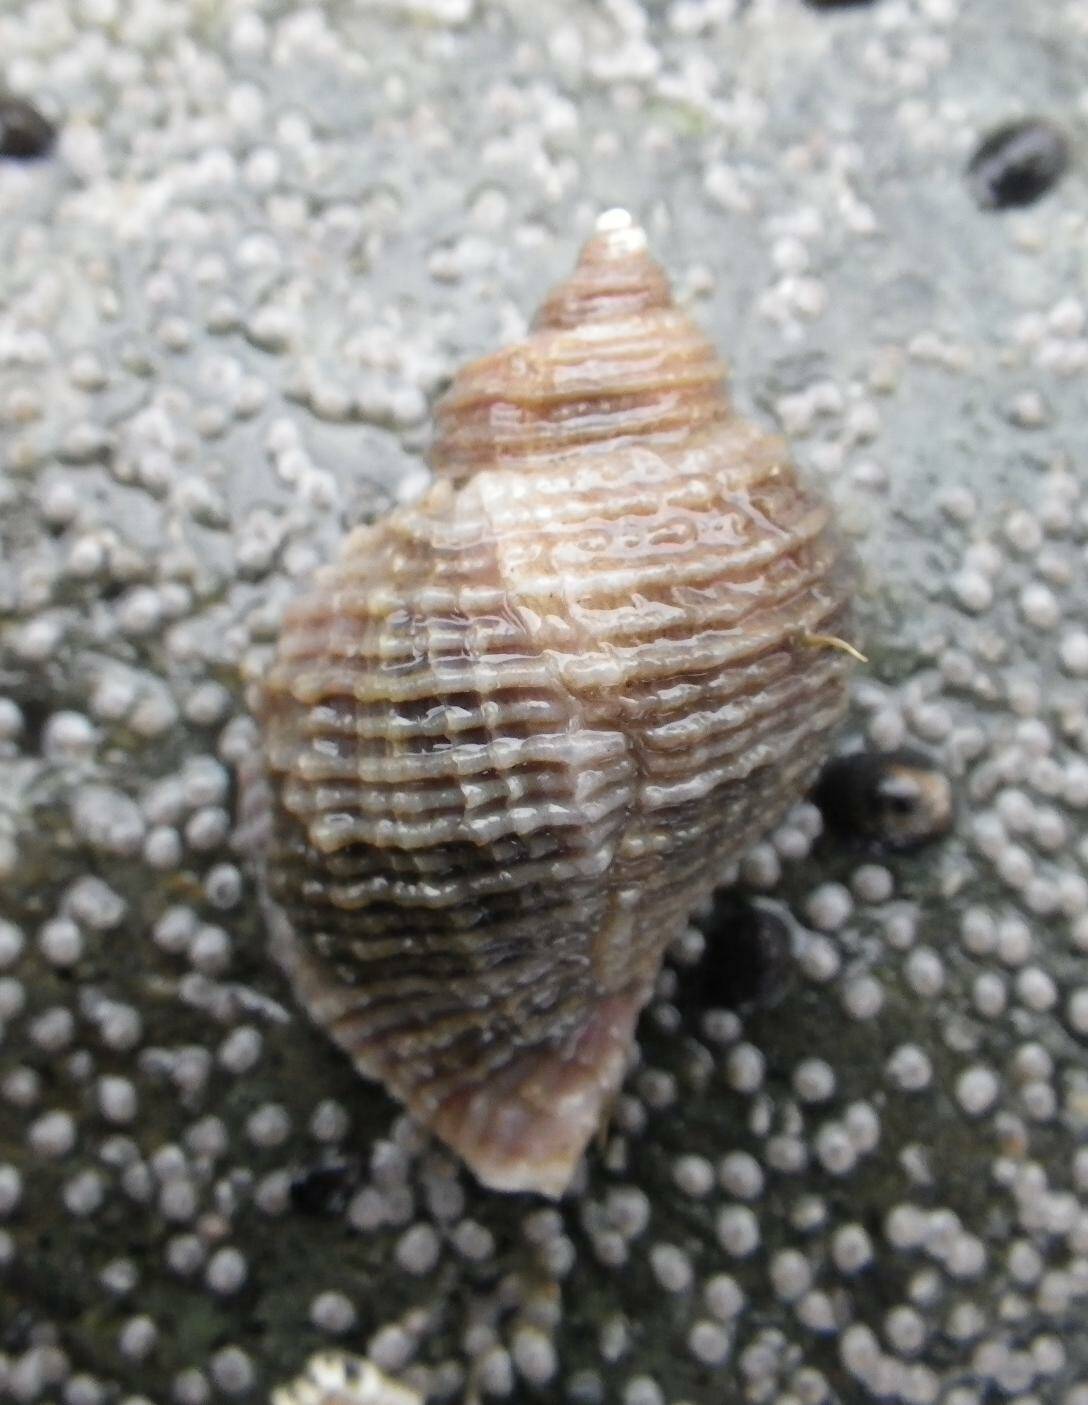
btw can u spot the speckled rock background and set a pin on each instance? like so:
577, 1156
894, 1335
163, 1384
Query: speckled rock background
265, 237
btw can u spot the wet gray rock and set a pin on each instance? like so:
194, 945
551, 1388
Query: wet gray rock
264, 237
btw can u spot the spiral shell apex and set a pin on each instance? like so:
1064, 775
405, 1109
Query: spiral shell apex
515, 733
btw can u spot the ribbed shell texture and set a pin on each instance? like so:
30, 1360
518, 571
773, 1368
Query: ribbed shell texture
516, 732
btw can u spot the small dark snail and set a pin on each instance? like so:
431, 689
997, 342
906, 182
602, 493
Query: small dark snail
886, 799
747, 962
324, 1188
515, 732
24, 133
1017, 164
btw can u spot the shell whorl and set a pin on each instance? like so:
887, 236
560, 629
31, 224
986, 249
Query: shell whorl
513, 735
611, 361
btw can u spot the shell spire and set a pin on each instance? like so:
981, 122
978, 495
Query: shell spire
615, 278
610, 358
517, 731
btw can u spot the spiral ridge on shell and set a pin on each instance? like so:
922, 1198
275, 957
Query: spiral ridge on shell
514, 734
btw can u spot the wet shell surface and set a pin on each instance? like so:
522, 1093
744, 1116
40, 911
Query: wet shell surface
517, 730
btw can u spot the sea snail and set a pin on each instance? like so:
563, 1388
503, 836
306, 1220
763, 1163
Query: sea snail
514, 733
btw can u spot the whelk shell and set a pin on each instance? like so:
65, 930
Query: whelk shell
515, 732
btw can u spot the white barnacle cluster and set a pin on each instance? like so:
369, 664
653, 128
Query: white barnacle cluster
336, 1379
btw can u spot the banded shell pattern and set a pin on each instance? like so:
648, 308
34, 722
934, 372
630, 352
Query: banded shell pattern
516, 731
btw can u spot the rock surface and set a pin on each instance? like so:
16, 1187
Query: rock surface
265, 237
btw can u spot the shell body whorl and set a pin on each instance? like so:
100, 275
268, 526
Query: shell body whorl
513, 735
